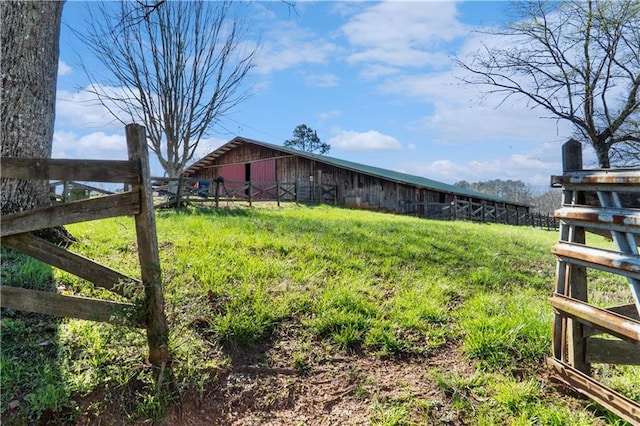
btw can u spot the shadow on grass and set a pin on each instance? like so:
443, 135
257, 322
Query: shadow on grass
239, 208
208, 211
32, 385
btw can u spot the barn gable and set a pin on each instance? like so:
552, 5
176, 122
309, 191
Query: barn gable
359, 185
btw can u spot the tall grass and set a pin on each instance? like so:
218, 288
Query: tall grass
356, 282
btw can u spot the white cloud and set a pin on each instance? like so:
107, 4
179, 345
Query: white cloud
403, 33
453, 125
400, 58
461, 114
97, 145
374, 71
416, 36
371, 140
327, 115
82, 109
287, 45
533, 167
64, 68
322, 80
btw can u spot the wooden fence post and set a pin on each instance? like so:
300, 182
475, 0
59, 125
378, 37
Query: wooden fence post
319, 186
65, 191
217, 193
455, 207
576, 286
571, 156
157, 329
179, 192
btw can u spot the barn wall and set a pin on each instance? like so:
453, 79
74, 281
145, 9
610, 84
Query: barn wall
352, 188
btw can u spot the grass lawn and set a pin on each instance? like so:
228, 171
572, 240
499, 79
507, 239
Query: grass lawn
308, 315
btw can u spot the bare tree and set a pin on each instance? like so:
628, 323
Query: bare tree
578, 60
29, 38
546, 202
176, 66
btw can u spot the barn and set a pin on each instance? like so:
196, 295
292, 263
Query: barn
345, 183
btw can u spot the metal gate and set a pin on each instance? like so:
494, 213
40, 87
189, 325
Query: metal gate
605, 202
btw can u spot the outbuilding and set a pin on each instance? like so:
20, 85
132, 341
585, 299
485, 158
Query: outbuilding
327, 179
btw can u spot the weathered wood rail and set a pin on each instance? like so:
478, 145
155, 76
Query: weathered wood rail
578, 325
16, 234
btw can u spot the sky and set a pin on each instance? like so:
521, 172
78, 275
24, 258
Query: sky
376, 80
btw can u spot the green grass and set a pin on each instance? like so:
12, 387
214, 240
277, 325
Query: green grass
353, 282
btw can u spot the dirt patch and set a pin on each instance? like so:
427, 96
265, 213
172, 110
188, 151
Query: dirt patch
268, 384
344, 390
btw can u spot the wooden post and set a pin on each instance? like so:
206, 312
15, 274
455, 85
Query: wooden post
217, 193
454, 208
249, 191
571, 156
335, 193
65, 191
157, 329
278, 192
576, 286
179, 192
319, 185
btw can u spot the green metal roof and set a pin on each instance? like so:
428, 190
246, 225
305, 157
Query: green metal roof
390, 175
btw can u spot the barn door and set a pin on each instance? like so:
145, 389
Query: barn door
262, 175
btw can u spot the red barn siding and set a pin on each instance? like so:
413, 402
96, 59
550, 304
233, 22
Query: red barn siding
234, 176
233, 172
263, 176
263, 171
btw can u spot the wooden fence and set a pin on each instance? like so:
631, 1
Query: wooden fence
16, 234
596, 201
215, 191
74, 191
483, 212
220, 190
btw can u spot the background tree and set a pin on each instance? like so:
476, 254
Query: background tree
512, 190
546, 202
306, 139
29, 50
578, 60
177, 67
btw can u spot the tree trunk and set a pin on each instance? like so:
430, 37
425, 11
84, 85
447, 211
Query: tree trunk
602, 153
29, 40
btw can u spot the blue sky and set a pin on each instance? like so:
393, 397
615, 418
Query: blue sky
374, 79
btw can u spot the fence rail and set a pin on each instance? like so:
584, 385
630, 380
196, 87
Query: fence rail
482, 212
592, 202
16, 235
